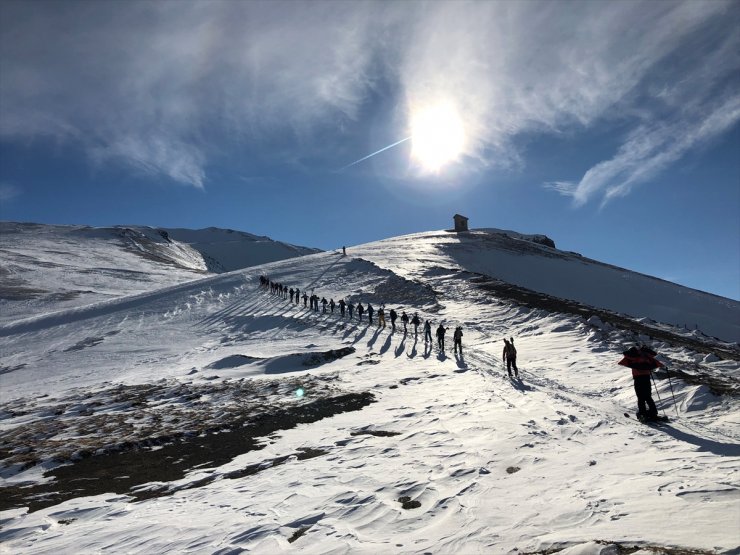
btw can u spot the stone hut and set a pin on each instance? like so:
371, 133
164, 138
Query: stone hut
461, 222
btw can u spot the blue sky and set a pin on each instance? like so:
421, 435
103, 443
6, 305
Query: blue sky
612, 127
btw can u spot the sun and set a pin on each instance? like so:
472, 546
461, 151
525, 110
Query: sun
437, 135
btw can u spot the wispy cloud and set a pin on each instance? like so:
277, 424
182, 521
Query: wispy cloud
162, 86
8, 192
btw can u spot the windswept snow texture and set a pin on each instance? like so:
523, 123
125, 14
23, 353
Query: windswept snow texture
437, 453
522, 260
47, 267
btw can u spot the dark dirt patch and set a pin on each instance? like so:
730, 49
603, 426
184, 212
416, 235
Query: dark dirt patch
625, 548
408, 503
89, 342
298, 533
316, 359
512, 470
377, 433
368, 362
136, 465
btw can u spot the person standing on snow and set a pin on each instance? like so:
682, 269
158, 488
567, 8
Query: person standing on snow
331, 305
415, 320
428, 331
394, 315
509, 356
370, 311
351, 309
341, 307
381, 317
457, 339
441, 337
360, 310
405, 320
642, 361
324, 303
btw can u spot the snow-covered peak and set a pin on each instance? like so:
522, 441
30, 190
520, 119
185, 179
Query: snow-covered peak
527, 261
53, 267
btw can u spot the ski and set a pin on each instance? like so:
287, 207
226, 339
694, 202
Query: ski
658, 419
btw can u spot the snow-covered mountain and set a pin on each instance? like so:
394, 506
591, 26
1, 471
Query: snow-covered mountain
214, 416
70, 266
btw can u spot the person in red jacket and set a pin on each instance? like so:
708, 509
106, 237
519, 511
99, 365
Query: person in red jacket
642, 361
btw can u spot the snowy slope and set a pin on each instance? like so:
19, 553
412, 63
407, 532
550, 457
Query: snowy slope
522, 260
47, 267
232, 250
189, 419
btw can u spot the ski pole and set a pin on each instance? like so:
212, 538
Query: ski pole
658, 394
675, 406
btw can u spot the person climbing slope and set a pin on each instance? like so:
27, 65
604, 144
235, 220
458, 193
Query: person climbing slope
642, 361
509, 356
457, 339
441, 337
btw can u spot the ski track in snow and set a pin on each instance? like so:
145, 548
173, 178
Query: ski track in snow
494, 464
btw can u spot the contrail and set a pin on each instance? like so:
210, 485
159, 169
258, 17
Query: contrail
374, 153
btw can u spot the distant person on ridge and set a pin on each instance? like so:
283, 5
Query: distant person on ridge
331, 305
428, 331
370, 313
360, 310
291, 294
324, 303
351, 309
341, 307
457, 339
394, 315
297, 296
509, 356
381, 317
344, 251
305, 300
415, 320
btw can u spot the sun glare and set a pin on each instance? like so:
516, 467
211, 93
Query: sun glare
437, 136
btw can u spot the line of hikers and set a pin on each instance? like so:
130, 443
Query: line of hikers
313, 301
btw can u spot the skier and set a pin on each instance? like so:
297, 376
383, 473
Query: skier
441, 337
381, 317
360, 310
457, 339
342, 304
428, 331
509, 356
415, 320
642, 361
405, 320
370, 313
394, 315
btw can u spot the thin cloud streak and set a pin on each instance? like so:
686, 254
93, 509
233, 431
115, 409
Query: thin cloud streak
166, 86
